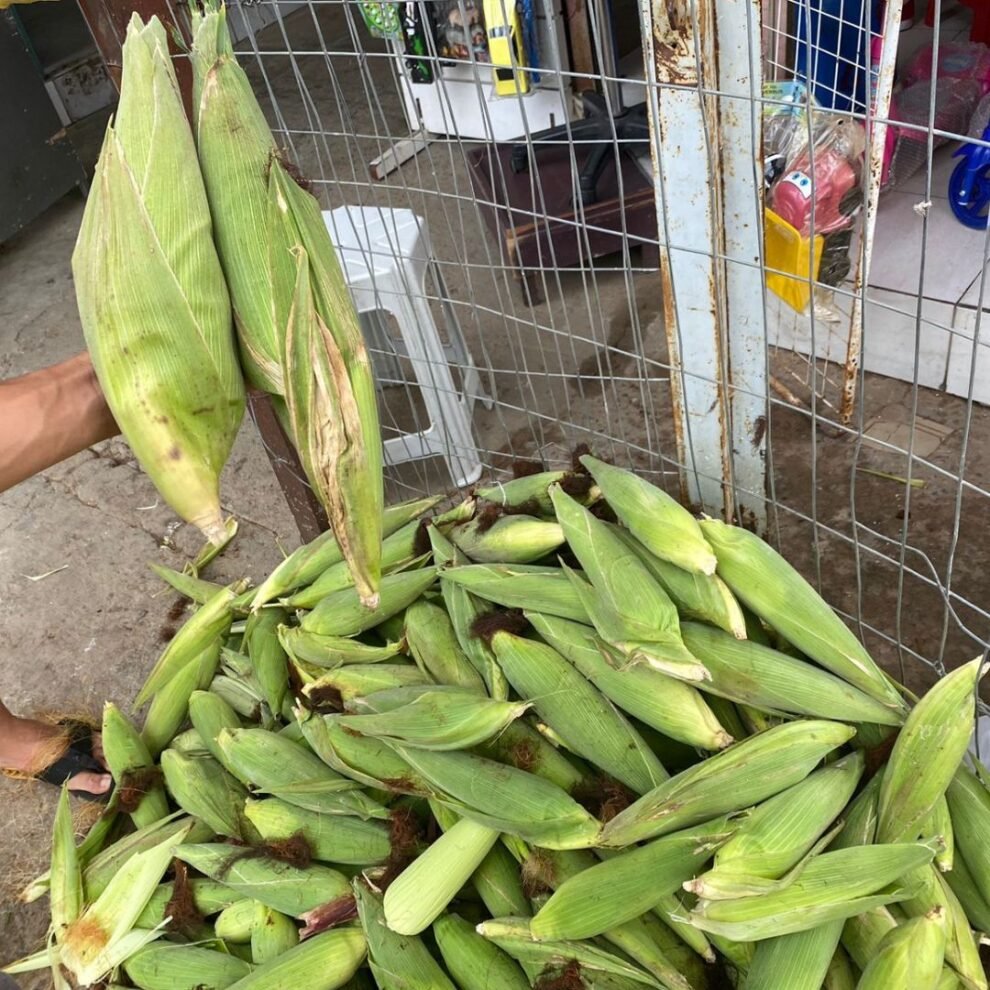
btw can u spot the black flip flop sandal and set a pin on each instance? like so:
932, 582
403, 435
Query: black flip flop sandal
78, 758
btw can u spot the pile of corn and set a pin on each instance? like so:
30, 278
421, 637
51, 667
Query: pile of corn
584, 740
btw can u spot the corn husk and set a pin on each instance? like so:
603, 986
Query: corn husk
627, 885
506, 799
926, 754
766, 583
331, 838
418, 895
909, 957
670, 706
397, 962
577, 712
159, 333
659, 522
474, 962
832, 886
794, 962
745, 773
296, 321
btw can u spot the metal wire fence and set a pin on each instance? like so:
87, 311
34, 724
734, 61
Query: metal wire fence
849, 421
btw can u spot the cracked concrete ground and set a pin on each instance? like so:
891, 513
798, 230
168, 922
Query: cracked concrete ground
82, 617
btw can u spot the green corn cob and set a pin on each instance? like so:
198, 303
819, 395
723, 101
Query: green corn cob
398, 962
625, 886
293, 890
927, 752
474, 962
506, 799
513, 936
969, 804
832, 886
772, 845
794, 962
644, 939
305, 564
66, 882
860, 827
521, 746
342, 614
628, 607
333, 651
202, 788
127, 756
544, 589
745, 672
532, 491
235, 924
368, 761
273, 935
398, 551
961, 950
513, 539
201, 632
275, 765
326, 961
423, 889
105, 865
841, 974
268, 656
343, 684
589, 725
762, 580
703, 597
659, 522
499, 884
238, 696
438, 720
674, 708
909, 958
434, 646
210, 715
964, 887
331, 838
170, 705
744, 774
183, 967
103, 935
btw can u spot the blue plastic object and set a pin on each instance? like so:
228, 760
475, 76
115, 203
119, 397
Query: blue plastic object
832, 50
969, 184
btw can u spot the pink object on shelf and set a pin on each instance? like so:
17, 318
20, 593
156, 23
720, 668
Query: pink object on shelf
956, 60
906, 147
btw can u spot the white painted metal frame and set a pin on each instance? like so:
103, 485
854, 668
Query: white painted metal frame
706, 125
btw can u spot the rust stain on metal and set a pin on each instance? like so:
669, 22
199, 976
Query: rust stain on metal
677, 397
878, 136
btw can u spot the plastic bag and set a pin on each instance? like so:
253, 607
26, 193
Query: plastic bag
822, 189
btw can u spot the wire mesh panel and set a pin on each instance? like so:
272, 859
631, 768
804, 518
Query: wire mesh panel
536, 148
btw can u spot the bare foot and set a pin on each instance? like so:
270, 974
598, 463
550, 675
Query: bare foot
29, 747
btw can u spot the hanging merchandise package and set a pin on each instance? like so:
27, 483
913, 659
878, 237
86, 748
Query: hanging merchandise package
813, 205
785, 124
460, 31
381, 18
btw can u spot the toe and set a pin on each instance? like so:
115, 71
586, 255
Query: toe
91, 783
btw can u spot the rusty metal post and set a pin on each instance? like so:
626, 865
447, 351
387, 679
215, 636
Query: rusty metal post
703, 60
876, 126
107, 20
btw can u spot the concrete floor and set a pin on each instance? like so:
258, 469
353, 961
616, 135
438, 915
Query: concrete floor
83, 617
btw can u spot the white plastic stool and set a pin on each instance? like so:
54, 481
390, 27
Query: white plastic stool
386, 257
